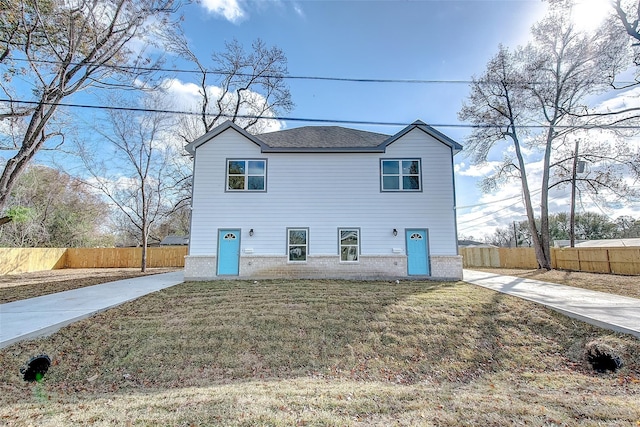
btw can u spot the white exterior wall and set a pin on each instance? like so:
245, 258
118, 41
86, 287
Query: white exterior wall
323, 192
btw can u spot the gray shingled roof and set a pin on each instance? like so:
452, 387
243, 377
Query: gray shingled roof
322, 137
173, 240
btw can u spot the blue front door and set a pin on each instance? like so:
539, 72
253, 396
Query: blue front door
228, 252
417, 253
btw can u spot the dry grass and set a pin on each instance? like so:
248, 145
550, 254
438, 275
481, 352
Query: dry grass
29, 285
614, 284
323, 353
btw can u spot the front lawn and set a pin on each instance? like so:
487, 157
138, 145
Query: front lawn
323, 353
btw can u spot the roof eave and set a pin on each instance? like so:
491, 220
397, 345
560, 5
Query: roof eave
418, 124
192, 146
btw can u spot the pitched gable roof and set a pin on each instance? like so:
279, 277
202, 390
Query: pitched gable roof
324, 138
418, 124
191, 147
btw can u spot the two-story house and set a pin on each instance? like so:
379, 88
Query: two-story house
323, 202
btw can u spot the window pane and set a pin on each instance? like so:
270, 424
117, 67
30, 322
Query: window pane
349, 237
236, 167
256, 167
255, 183
297, 253
297, 237
349, 253
390, 183
236, 182
410, 183
390, 167
410, 167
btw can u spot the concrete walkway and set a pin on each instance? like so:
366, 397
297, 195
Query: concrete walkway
618, 313
44, 315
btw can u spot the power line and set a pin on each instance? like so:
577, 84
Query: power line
495, 201
485, 215
499, 217
281, 76
302, 119
272, 76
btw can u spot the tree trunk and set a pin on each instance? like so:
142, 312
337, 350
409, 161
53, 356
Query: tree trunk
544, 252
531, 219
145, 238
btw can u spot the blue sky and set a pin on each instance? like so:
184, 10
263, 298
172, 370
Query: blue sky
427, 40
447, 42
444, 41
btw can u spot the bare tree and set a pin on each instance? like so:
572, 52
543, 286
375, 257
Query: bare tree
59, 48
247, 88
629, 15
129, 164
534, 98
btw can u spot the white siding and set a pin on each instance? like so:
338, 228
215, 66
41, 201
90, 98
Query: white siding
323, 191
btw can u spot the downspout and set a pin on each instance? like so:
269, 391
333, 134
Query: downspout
193, 180
455, 208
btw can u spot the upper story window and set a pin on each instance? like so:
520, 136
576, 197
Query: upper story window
246, 175
401, 175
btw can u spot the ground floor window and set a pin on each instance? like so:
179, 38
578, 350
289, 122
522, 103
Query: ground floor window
297, 244
349, 244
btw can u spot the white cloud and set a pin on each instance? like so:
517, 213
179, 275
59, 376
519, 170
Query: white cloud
298, 9
627, 99
236, 11
231, 10
186, 97
477, 171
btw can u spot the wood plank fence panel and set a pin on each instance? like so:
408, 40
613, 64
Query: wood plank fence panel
625, 260
518, 258
167, 256
23, 260
616, 260
566, 259
480, 257
594, 260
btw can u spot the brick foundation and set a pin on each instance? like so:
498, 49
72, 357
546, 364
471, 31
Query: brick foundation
373, 267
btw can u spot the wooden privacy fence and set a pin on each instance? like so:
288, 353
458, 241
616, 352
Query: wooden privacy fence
23, 260
615, 260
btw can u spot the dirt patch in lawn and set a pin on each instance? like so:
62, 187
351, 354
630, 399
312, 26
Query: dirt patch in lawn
628, 286
15, 287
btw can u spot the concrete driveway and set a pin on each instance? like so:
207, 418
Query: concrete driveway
46, 314
618, 313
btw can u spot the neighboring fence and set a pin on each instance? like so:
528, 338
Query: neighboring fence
18, 260
23, 260
166, 256
618, 260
